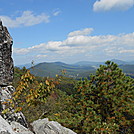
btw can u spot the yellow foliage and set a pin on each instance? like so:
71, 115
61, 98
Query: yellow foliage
30, 91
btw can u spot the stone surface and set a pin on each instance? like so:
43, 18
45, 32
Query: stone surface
6, 76
44, 126
5, 127
41, 126
13, 128
19, 129
5, 95
6, 62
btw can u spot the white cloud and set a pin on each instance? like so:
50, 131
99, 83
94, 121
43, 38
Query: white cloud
26, 19
128, 39
85, 31
41, 56
54, 45
106, 5
127, 51
21, 51
98, 47
56, 12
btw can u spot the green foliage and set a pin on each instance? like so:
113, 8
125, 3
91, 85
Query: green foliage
51, 69
55, 103
66, 85
17, 75
103, 104
30, 92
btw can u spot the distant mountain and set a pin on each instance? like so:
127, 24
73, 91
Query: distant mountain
89, 63
119, 62
79, 69
131, 62
51, 69
128, 69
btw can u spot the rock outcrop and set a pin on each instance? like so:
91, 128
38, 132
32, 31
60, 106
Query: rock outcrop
5, 95
41, 126
44, 126
5, 128
13, 128
6, 62
6, 76
19, 129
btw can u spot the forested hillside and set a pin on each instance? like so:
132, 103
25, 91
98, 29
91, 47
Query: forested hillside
78, 70
129, 69
51, 69
102, 104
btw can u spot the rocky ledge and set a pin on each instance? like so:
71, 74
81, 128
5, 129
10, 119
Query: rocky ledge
41, 126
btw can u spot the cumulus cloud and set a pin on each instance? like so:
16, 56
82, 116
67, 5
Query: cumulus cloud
41, 56
85, 31
106, 5
127, 51
98, 47
28, 18
21, 51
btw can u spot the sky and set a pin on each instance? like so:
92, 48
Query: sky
69, 31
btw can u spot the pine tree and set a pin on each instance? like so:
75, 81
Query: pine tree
103, 104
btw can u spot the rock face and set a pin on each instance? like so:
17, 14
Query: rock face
5, 128
19, 129
6, 76
5, 95
44, 126
13, 128
6, 62
39, 127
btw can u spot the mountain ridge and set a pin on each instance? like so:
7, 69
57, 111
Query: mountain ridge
79, 69
92, 63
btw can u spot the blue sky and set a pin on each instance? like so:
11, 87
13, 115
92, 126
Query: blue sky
69, 30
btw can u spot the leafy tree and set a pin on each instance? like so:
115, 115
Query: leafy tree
67, 85
36, 97
30, 92
17, 75
101, 105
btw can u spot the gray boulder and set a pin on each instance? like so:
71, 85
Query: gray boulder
41, 126
5, 127
5, 95
12, 128
44, 126
19, 129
